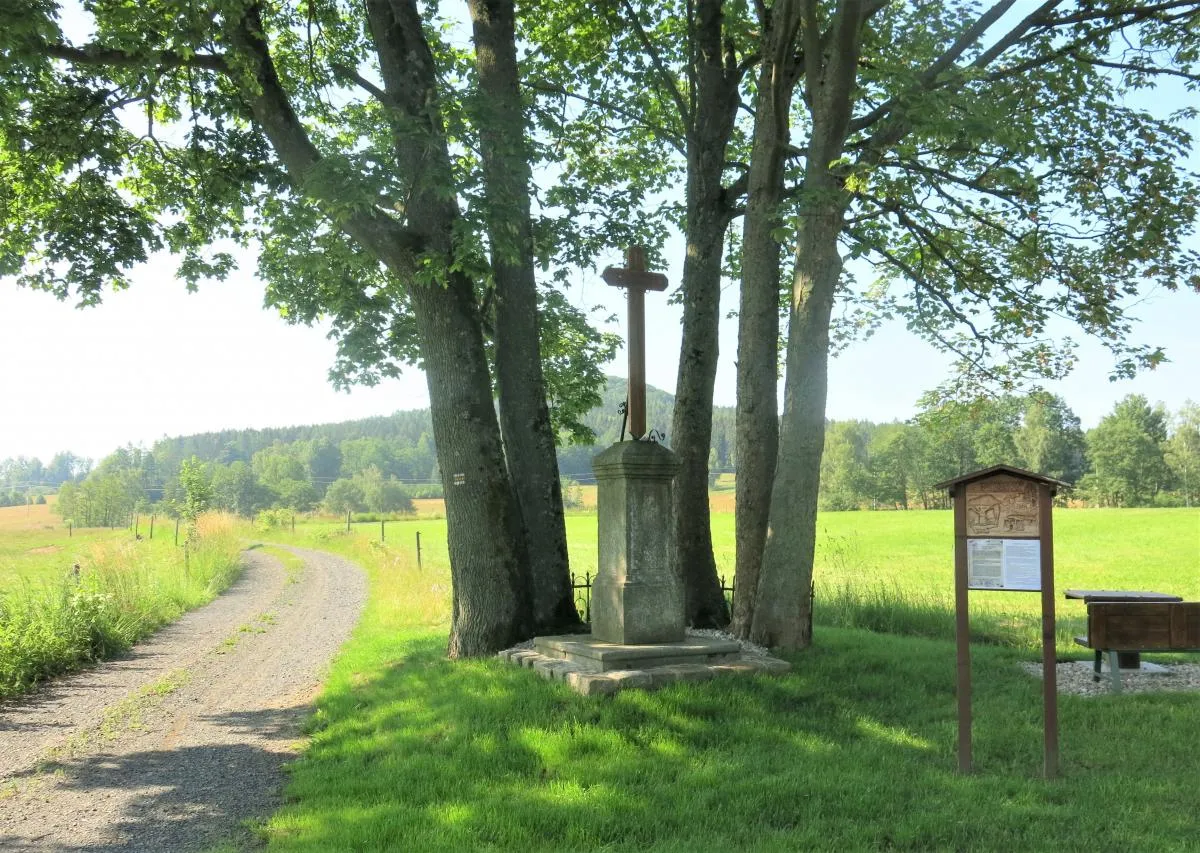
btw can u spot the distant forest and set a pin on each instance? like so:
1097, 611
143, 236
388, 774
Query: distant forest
1138, 455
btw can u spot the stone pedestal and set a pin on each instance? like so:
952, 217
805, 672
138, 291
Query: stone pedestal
638, 596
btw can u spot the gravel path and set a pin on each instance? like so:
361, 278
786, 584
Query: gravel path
174, 746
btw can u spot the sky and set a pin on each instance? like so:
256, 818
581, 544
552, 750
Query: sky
156, 361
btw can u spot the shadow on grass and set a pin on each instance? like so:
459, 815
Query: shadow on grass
854, 750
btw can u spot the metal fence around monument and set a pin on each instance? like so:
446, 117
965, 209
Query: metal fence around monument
581, 591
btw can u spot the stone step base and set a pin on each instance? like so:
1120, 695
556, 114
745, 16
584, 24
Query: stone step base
592, 683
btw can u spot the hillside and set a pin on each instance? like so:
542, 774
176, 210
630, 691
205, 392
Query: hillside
407, 428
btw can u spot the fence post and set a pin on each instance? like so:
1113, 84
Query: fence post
382, 532
136, 521
418, 550
152, 525
293, 522
177, 533
70, 529
347, 521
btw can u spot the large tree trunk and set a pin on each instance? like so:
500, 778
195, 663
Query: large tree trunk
783, 610
491, 581
524, 416
491, 586
757, 425
713, 109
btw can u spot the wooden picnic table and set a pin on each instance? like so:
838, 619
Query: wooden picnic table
1089, 595
1126, 660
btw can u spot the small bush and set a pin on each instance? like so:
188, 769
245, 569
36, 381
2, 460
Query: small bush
273, 519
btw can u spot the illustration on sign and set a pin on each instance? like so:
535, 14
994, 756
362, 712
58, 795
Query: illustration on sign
1004, 564
1002, 506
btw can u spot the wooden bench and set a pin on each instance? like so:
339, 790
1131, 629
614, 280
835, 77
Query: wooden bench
1128, 626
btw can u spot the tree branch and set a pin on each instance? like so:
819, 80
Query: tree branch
96, 54
952, 54
658, 130
273, 112
660, 69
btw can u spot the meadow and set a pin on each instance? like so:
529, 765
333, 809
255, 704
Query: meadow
54, 619
894, 571
855, 749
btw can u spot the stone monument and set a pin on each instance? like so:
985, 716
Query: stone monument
637, 599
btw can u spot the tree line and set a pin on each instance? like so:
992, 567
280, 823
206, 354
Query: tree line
1137, 455
990, 166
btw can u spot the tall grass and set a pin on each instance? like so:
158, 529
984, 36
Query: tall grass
123, 591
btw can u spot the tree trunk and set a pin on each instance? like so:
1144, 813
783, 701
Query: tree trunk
712, 111
757, 425
692, 422
529, 444
783, 610
491, 596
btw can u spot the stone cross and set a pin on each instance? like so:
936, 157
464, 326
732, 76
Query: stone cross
636, 280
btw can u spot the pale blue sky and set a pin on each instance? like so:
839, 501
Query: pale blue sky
155, 361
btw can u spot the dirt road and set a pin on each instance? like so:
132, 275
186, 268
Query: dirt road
175, 746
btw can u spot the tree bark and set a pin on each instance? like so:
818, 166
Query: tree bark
529, 444
757, 425
714, 105
783, 610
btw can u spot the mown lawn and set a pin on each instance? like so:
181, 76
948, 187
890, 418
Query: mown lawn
853, 750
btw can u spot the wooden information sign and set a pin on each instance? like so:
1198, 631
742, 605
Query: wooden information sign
1004, 540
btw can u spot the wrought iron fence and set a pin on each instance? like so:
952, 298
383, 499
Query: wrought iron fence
581, 591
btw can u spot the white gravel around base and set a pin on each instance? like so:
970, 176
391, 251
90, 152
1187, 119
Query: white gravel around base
174, 746
1076, 677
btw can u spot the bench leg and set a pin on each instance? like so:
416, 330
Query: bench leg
1096, 666
1114, 670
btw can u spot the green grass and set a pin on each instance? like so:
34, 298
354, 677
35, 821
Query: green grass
894, 571
53, 622
853, 750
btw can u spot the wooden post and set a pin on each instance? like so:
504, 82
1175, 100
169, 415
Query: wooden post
418, 550
152, 525
177, 532
1004, 540
70, 529
1049, 640
136, 522
962, 631
347, 521
293, 522
382, 532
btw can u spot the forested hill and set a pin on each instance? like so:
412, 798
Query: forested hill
413, 429
232, 445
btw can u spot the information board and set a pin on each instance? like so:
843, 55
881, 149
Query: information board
1002, 506
1004, 564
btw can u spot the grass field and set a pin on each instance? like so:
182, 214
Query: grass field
29, 517
854, 750
894, 571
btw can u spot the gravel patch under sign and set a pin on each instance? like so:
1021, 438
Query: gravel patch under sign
1076, 677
